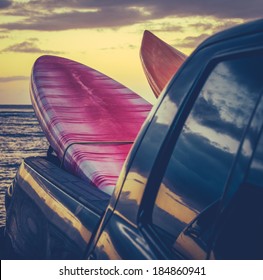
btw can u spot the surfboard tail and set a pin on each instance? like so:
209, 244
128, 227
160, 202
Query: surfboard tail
160, 61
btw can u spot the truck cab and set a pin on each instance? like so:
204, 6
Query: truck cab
190, 188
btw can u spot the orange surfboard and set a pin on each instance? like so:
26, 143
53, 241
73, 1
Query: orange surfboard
160, 61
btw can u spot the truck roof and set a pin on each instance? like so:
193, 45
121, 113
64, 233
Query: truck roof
237, 31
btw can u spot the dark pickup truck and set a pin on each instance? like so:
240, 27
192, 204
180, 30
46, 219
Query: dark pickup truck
191, 187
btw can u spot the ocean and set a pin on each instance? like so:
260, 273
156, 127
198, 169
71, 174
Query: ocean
20, 137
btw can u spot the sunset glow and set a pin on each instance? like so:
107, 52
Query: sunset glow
105, 35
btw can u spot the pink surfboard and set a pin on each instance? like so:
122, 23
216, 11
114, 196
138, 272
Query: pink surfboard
160, 61
90, 120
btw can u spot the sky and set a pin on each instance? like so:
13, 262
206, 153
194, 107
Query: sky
105, 35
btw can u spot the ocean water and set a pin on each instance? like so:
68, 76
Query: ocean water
20, 137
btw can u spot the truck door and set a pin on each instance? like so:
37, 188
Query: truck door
203, 157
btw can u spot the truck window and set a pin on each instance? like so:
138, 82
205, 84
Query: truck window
207, 146
240, 236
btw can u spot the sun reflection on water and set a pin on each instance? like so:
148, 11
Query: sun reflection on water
20, 137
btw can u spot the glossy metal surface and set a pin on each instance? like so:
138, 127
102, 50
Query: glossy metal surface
160, 61
122, 241
76, 104
43, 221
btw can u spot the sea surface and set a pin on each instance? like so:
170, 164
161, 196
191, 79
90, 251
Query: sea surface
20, 137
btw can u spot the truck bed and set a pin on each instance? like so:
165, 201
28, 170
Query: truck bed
85, 193
52, 213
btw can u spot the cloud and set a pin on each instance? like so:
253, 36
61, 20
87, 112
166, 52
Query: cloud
4, 4
67, 14
13, 78
216, 27
167, 27
204, 30
131, 46
108, 17
217, 8
27, 47
192, 41
62, 15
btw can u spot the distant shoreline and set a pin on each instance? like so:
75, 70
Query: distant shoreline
25, 106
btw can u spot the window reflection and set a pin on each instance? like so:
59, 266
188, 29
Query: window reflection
255, 176
206, 148
240, 236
